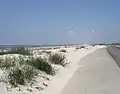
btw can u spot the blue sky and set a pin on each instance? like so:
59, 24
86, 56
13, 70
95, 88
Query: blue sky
59, 21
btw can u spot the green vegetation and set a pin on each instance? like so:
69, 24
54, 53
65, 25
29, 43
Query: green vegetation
17, 73
57, 58
18, 50
21, 76
41, 64
62, 50
6, 64
77, 48
21, 72
56, 47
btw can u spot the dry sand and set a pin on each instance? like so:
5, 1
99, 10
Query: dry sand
61, 80
57, 82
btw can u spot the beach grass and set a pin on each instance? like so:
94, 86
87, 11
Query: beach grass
57, 58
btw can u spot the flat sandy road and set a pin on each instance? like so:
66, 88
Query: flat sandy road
99, 74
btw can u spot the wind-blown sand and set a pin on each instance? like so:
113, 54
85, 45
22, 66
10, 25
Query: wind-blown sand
57, 82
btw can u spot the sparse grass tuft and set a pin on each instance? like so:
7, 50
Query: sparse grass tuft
57, 58
62, 50
77, 48
82, 47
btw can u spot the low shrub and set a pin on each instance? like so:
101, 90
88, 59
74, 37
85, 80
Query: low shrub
77, 48
3, 52
62, 50
23, 71
21, 76
17, 72
56, 47
19, 50
57, 58
41, 64
82, 47
45, 48
6, 63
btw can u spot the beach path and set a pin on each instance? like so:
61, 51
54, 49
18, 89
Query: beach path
99, 74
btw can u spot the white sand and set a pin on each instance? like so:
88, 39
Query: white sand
61, 80
57, 82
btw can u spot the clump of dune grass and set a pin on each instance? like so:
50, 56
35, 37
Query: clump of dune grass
42, 64
17, 73
48, 52
22, 71
7, 63
21, 76
82, 47
58, 58
20, 50
63, 50
3, 52
77, 48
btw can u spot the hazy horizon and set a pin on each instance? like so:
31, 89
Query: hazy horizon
59, 22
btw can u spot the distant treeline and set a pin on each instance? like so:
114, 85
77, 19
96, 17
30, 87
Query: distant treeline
107, 44
18, 50
30, 46
26, 46
115, 43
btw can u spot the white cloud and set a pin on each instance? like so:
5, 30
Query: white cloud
93, 30
71, 31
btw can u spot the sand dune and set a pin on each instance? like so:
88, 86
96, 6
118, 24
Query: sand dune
55, 83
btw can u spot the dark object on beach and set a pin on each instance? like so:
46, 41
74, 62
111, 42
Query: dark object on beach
39, 88
77, 48
45, 84
82, 47
46, 78
29, 89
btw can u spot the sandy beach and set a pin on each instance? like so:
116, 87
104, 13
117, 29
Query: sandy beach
55, 83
